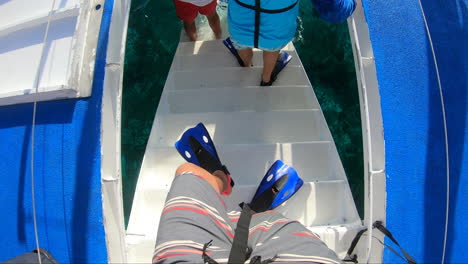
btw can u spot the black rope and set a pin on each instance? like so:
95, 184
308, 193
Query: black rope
391, 248
379, 226
207, 259
353, 258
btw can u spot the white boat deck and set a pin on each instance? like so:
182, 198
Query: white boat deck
252, 127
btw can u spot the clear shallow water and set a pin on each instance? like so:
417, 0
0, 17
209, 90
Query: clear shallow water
325, 51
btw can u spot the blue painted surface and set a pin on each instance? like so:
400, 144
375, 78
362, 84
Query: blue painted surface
67, 172
413, 124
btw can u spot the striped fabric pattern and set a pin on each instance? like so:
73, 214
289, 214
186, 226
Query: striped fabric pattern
194, 214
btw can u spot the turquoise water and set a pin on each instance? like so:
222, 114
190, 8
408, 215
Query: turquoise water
325, 51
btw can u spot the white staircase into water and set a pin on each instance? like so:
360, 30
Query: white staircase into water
252, 127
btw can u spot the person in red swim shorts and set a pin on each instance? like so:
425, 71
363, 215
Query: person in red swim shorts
187, 11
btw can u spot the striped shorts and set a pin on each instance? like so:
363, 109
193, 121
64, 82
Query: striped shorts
195, 214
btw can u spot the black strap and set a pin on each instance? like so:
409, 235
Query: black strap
238, 252
386, 232
257, 23
263, 202
207, 259
353, 258
381, 228
268, 11
258, 260
258, 10
207, 161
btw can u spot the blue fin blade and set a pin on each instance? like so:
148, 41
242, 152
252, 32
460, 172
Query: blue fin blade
278, 185
200, 133
197, 147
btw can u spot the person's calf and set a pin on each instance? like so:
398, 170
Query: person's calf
269, 62
215, 24
218, 180
191, 30
246, 56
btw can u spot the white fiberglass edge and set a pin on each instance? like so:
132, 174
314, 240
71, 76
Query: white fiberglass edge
369, 250
68, 66
112, 202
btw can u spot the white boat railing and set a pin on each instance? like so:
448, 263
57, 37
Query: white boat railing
112, 201
372, 133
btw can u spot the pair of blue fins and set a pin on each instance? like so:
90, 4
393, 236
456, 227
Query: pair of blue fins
279, 183
283, 59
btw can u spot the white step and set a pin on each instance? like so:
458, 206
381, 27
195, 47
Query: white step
213, 47
260, 99
244, 127
315, 204
139, 249
145, 215
220, 60
232, 77
247, 163
339, 237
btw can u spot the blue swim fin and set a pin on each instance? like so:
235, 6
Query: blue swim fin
197, 147
279, 184
228, 43
283, 60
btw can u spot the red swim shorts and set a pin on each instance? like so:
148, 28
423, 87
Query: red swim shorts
188, 12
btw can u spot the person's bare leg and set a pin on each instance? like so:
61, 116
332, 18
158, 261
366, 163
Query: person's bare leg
215, 24
218, 183
246, 55
269, 62
191, 30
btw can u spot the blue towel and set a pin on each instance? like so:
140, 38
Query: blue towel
334, 11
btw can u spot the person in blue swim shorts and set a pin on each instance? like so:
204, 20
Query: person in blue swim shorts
270, 25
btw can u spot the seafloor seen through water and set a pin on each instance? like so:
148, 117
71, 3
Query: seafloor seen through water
324, 48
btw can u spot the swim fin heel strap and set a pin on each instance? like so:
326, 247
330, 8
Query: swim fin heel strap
279, 184
197, 147
207, 161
